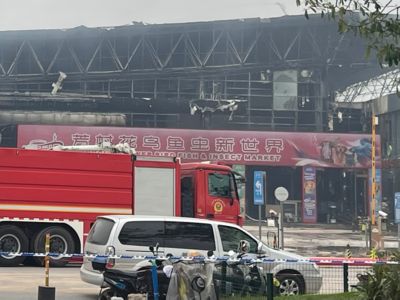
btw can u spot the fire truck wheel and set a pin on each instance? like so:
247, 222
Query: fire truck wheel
14, 240
61, 242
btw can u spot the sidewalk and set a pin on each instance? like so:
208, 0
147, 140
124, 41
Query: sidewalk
323, 240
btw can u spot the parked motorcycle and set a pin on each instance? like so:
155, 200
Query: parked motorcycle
239, 275
160, 279
147, 277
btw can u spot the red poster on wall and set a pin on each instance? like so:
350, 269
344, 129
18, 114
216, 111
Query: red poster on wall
232, 147
309, 203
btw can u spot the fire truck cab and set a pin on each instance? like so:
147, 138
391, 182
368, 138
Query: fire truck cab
209, 191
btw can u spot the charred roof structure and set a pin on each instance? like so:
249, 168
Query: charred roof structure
253, 74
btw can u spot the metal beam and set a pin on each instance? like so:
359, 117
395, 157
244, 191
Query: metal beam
233, 48
12, 66
114, 56
193, 54
216, 41
99, 45
59, 47
138, 45
75, 58
156, 59
35, 57
172, 52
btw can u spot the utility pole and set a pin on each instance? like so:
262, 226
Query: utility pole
373, 171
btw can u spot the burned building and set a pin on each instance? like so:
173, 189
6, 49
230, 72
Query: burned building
252, 75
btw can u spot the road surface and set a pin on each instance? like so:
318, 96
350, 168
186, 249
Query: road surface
22, 283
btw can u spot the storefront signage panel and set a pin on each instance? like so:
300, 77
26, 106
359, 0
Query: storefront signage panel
259, 188
233, 147
309, 195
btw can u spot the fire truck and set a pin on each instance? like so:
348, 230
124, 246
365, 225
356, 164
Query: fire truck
62, 193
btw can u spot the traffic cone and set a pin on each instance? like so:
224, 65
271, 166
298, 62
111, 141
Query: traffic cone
347, 252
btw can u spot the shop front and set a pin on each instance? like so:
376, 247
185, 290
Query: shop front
327, 175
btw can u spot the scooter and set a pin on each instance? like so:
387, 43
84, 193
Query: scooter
240, 276
147, 277
165, 278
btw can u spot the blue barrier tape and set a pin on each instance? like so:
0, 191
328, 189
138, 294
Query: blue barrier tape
198, 258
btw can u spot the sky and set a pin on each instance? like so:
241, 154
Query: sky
60, 14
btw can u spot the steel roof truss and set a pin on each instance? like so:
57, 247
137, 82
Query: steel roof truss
139, 44
210, 52
12, 66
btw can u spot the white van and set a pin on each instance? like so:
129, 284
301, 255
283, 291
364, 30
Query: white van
132, 235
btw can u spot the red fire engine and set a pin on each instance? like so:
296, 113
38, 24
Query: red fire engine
62, 192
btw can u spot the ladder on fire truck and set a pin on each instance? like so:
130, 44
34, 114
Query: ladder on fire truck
103, 147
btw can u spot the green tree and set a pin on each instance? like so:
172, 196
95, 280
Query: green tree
377, 22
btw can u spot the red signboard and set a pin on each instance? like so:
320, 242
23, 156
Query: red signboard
232, 147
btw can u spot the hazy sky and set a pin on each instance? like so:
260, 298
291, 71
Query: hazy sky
44, 14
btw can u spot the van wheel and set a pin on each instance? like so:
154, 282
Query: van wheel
12, 239
290, 284
61, 242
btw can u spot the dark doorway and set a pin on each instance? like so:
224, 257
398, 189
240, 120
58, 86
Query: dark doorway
287, 177
341, 195
361, 192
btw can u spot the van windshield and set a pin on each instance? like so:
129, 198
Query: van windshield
100, 232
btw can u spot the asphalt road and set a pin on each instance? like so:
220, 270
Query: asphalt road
22, 283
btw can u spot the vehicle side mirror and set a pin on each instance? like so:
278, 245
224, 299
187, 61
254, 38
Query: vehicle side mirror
260, 248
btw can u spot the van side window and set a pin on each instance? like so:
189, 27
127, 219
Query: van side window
142, 233
100, 231
231, 236
185, 235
